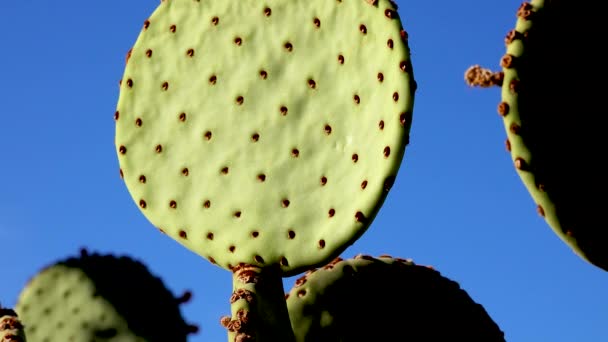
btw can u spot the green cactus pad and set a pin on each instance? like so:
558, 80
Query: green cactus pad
385, 299
100, 298
553, 114
11, 329
265, 132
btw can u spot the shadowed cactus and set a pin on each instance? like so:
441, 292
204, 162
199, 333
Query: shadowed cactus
264, 136
11, 329
100, 298
552, 109
373, 299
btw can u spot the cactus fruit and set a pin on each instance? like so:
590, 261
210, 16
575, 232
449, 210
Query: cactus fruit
385, 298
11, 329
100, 298
552, 113
265, 133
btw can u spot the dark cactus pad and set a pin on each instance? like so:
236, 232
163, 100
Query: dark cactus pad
385, 299
553, 113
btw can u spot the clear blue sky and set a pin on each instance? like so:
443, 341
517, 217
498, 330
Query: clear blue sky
457, 204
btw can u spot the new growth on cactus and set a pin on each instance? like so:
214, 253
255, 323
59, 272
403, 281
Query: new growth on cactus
97, 297
385, 298
265, 136
551, 110
11, 329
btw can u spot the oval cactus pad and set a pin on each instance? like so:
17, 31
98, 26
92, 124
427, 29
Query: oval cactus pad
97, 297
265, 132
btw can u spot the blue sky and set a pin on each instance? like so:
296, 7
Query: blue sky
457, 203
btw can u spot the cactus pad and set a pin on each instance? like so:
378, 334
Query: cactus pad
265, 132
100, 298
376, 299
11, 329
553, 114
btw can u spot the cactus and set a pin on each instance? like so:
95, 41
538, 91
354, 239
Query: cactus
385, 298
551, 118
11, 329
236, 142
265, 136
100, 298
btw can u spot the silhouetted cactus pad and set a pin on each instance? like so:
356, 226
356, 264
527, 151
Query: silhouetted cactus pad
265, 133
100, 298
553, 110
385, 299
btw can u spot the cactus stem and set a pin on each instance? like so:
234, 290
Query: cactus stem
259, 311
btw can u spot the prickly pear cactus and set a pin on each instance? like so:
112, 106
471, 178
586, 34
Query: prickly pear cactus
385, 298
100, 298
265, 132
11, 329
552, 109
